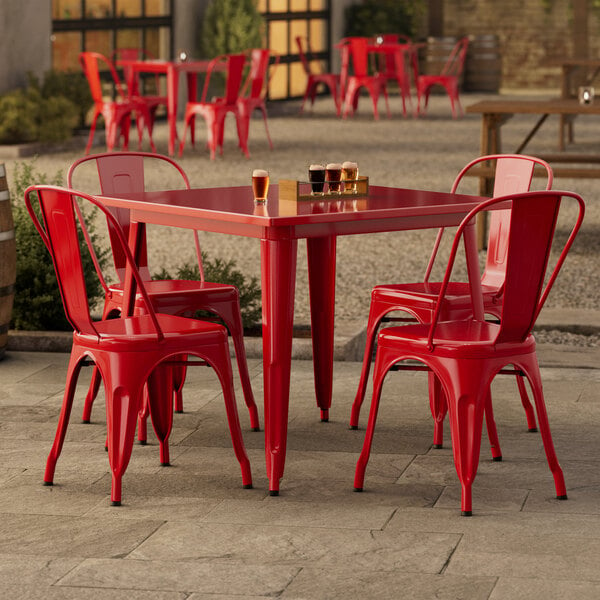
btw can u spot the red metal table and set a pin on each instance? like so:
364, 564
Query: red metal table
279, 224
171, 69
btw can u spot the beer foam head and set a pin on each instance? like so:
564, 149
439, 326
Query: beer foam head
349, 165
316, 168
334, 166
259, 173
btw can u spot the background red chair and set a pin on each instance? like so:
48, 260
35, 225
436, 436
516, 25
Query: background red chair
449, 78
513, 174
330, 80
254, 91
116, 113
215, 111
354, 52
121, 172
128, 351
465, 355
135, 89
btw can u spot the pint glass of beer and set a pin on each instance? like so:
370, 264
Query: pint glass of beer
350, 173
333, 173
260, 184
316, 176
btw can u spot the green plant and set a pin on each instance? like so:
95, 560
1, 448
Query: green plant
221, 271
371, 17
38, 304
18, 123
231, 26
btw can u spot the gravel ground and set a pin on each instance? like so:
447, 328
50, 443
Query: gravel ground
423, 153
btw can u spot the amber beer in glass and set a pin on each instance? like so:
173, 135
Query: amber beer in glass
260, 184
333, 174
350, 173
316, 176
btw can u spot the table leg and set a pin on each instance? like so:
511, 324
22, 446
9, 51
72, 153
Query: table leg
321, 278
278, 279
172, 92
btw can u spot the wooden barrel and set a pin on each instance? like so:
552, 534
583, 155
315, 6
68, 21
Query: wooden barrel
483, 69
8, 260
434, 56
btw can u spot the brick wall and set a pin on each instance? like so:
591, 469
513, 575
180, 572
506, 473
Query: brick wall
529, 36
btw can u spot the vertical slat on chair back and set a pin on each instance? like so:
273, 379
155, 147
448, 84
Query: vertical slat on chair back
532, 225
512, 176
358, 51
56, 206
123, 174
235, 69
89, 65
259, 66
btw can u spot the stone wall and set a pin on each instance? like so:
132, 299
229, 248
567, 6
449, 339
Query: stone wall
529, 36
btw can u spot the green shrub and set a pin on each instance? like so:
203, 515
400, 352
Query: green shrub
38, 304
41, 112
18, 123
220, 271
231, 26
370, 17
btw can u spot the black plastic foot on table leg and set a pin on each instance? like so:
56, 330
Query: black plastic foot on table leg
353, 427
179, 412
358, 489
565, 497
497, 458
438, 446
48, 482
247, 486
142, 442
273, 492
533, 430
165, 464
256, 429
466, 513
85, 421
115, 503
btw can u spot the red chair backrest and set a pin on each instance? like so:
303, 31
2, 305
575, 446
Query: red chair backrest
456, 61
123, 173
90, 63
513, 175
235, 72
59, 230
304, 53
530, 234
358, 53
257, 81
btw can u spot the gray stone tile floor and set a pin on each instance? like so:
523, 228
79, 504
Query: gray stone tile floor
191, 532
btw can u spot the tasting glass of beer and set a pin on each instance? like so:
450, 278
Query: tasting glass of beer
316, 176
333, 175
350, 174
260, 184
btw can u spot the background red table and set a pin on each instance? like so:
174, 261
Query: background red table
279, 224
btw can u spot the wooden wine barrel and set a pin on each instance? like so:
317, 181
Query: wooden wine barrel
483, 69
8, 260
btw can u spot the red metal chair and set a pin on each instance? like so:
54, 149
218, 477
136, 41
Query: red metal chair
354, 50
136, 93
215, 111
465, 355
448, 78
116, 113
330, 80
120, 172
128, 351
254, 91
513, 174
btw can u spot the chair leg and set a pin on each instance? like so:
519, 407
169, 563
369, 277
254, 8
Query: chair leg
375, 316
222, 364
491, 429
91, 395
122, 406
379, 373
533, 374
63, 421
439, 408
160, 396
466, 405
529, 412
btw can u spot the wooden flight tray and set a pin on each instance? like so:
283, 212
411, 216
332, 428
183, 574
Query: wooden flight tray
290, 189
